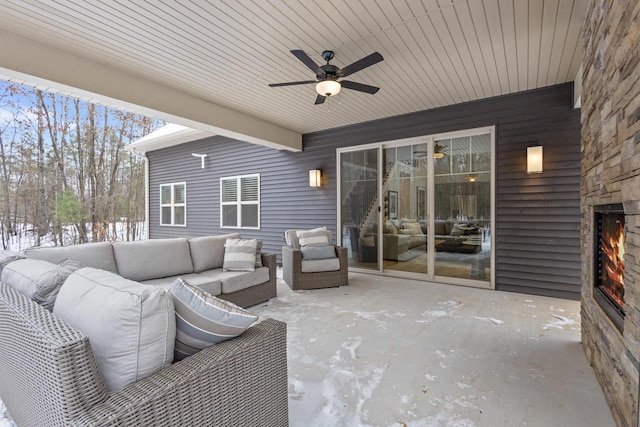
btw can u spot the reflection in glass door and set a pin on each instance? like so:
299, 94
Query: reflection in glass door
359, 207
462, 207
404, 188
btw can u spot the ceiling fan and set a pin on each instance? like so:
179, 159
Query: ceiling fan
327, 75
438, 152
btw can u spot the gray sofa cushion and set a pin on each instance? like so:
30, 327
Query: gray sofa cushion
208, 252
131, 326
37, 279
9, 256
203, 320
319, 265
96, 255
233, 281
152, 259
209, 284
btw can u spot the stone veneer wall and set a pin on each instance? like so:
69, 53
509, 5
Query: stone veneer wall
611, 174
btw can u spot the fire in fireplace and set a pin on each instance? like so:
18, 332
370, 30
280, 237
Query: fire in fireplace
609, 257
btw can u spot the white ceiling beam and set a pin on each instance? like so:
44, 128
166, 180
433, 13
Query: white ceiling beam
35, 63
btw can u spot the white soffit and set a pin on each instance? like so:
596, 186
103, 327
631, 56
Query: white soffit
167, 136
437, 52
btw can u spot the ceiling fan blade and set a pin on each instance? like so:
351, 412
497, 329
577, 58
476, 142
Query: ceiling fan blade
365, 62
304, 82
306, 60
320, 99
359, 87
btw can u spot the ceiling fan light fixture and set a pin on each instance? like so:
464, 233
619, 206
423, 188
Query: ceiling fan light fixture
328, 87
437, 151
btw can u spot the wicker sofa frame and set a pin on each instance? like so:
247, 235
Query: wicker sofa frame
48, 376
297, 280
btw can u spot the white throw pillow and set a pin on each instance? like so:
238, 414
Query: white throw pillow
131, 326
240, 255
315, 237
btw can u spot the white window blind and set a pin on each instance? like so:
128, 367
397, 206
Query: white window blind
240, 201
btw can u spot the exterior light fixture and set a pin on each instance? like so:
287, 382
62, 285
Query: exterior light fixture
437, 151
473, 178
315, 177
328, 87
534, 159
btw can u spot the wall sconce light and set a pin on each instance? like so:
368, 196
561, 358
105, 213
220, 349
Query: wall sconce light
315, 177
534, 159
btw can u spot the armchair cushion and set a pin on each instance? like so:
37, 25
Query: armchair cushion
320, 265
315, 237
203, 320
240, 255
318, 252
131, 326
7, 257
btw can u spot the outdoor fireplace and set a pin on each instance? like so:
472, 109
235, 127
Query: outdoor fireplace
609, 246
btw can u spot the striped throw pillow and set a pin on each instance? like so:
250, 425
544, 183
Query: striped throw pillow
240, 255
316, 237
203, 320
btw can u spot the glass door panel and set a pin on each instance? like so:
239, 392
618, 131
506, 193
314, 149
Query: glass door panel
359, 207
404, 230
462, 207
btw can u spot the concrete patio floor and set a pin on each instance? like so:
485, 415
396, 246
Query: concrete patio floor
395, 352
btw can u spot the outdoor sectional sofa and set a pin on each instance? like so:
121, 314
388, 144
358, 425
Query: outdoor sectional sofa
50, 376
159, 262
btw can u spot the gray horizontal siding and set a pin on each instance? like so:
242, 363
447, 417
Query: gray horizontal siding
537, 216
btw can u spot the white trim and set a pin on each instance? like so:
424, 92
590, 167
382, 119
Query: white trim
173, 205
239, 202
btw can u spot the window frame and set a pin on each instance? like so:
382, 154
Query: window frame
173, 205
239, 203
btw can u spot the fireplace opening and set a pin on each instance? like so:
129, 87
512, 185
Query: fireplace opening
609, 248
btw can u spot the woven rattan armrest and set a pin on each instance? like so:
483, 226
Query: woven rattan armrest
240, 382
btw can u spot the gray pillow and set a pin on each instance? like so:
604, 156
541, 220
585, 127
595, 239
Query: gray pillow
318, 252
37, 279
9, 256
207, 252
131, 326
203, 320
240, 255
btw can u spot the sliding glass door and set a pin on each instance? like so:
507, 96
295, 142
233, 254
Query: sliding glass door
358, 206
420, 208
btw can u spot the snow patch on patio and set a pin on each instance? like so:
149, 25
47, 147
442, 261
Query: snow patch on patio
559, 323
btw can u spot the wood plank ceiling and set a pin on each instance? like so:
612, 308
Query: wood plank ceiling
437, 52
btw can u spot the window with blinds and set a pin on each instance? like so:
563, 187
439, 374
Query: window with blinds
240, 201
173, 204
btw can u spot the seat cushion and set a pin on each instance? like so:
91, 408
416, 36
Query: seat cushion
131, 326
320, 265
207, 252
96, 255
209, 284
233, 281
152, 259
203, 320
35, 278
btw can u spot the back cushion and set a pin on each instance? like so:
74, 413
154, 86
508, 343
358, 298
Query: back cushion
7, 257
152, 259
131, 326
37, 279
96, 255
208, 252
